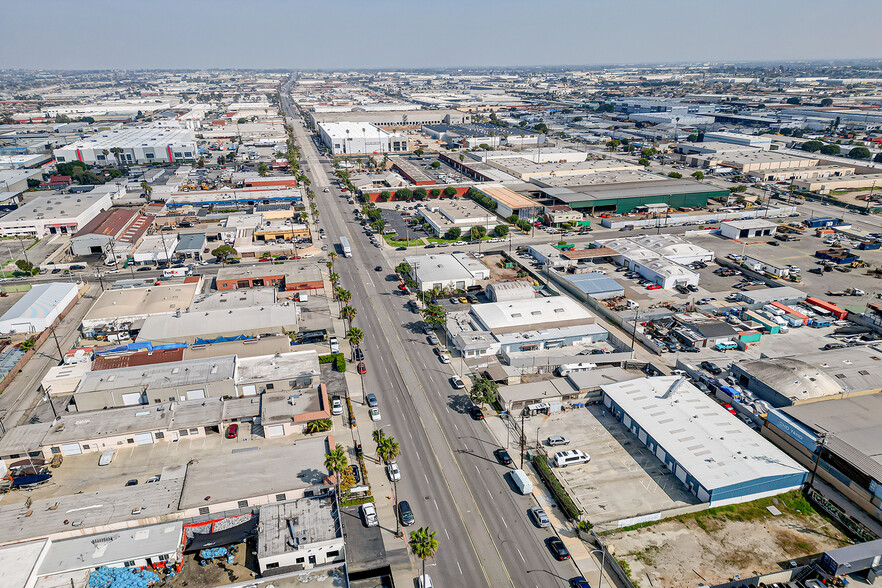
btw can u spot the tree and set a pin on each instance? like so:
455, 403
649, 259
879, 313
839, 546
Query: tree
420, 194
419, 152
827, 102
478, 232
450, 191
435, 316
224, 253
794, 100
613, 144
403, 194
461, 157
355, 336
318, 426
334, 277
676, 175
384, 196
221, 160
423, 545
485, 147
831, 150
484, 391
343, 295
648, 152
500, 231
332, 256
403, 268
435, 192
692, 138
698, 175
26, 267
540, 128
859, 153
453, 233
336, 462
348, 313
643, 161
435, 164
388, 450
812, 146
201, 163
378, 225
262, 169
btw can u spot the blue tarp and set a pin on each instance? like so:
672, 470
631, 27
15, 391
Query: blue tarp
144, 346
221, 340
105, 577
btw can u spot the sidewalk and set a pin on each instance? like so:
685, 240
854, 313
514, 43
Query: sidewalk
586, 561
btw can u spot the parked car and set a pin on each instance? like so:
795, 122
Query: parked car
106, 457
336, 405
361, 368
502, 456
457, 383
131, 483
557, 548
433, 339
405, 514
537, 513
233, 431
372, 400
579, 582
711, 367
375, 413
369, 514
556, 440
476, 413
359, 354
335, 346
356, 473
392, 471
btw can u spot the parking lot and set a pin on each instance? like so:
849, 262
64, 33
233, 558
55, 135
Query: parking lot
623, 479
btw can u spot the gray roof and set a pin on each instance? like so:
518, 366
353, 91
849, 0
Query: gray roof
593, 283
23, 438
273, 318
281, 366
191, 242
162, 375
766, 295
314, 519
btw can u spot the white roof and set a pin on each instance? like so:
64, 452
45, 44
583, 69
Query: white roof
40, 302
435, 268
136, 138
709, 442
750, 223
531, 313
357, 130
19, 562
56, 206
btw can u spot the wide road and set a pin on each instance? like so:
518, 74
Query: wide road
449, 474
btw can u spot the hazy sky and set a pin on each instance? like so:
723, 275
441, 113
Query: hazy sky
94, 34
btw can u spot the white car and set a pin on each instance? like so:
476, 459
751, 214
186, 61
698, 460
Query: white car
392, 471
375, 413
369, 513
335, 346
336, 406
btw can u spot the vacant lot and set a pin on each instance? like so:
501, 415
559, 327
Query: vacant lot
710, 547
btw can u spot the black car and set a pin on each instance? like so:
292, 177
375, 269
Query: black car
359, 354
146, 268
502, 456
711, 367
132, 483
379, 268
476, 413
557, 548
405, 514
356, 473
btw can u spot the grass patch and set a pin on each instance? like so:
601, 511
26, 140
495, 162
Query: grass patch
441, 240
563, 499
391, 240
356, 501
626, 569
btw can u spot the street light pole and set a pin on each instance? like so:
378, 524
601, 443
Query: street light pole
820, 443
602, 564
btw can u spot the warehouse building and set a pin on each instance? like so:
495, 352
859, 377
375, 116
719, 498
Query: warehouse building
203, 327
49, 215
844, 438
289, 277
717, 457
592, 285
391, 118
624, 195
504, 291
156, 249
360, 138
460, 213
113, 234
126, 309
138, 145
39, 308
747, 229
508, 202
456, 271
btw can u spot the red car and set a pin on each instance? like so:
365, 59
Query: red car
729, 408
265, 259
653, 287
362, 369
232, 431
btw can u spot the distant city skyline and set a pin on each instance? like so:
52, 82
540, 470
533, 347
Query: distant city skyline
388, 34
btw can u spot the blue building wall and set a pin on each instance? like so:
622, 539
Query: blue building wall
567, 342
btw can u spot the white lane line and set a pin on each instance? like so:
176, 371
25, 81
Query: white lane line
503, 522
460, 570
522, 558
477, 470
427, 479
411, 436
455, 427
448, 534
436, 506
418, 457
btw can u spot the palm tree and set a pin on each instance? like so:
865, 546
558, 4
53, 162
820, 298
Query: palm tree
378, 436
330, 264
344, 296
387, 450
336, 462
335, 277
332, 256
355, 336
423, 544
348, 313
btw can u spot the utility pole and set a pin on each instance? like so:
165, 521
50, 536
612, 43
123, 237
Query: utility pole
523, 438
820, 444
54, 336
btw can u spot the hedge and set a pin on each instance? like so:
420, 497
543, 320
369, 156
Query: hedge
338, 359
563, 499
356, 501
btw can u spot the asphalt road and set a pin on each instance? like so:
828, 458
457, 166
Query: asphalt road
449, 475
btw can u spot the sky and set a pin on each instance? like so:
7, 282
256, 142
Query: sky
367, 34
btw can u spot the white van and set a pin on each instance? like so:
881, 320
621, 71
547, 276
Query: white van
773, 310
106, 457
570, 368
520, 479
563, 459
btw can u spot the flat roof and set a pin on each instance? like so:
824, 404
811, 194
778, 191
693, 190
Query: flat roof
241, 349
94, 551
272, 318
164, 299
536, 390
749, 223
55, 206
632, 190
277, 367
290, 467
291, 271
711, 444
507, 197
23, 438
19, 562
593, 283
314, 518
772, 295
434, 268
131, 138
239, 298
40, 301
531, 314
162, 375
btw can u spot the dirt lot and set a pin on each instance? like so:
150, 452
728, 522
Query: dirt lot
710, 547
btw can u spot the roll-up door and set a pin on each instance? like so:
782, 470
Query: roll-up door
71, 449
143, 438
274, 430
195, 394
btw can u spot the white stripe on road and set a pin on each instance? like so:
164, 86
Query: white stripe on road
436, 506
460, 570
446, 533
521, 554
427, 479
503, 522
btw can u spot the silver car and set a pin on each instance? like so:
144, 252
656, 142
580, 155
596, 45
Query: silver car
556, 440
539, 517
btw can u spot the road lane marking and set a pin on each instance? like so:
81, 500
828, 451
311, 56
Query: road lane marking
522, 558
460, 569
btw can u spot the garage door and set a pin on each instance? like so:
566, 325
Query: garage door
143, 438
71, 449
195, 394
274, 431
131, 399
642, 436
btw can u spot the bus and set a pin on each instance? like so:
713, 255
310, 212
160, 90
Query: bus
345, 247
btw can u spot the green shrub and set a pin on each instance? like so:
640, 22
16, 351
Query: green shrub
566, 503
340, 362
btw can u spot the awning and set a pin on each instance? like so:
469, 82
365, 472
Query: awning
495, 372
229, 536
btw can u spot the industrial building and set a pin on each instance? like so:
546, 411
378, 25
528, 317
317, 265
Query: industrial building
289, 276
139, 146
360, 138
623, 195
49, 215
39, 308
475, 135
659, 258
125, 309
299, 535
112, 234
397, 118
460, 213
156, 249
236, 322
510, 203
842, 438
717, 457
446, 271
591, 285
810, 377
747, 229
503, 291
